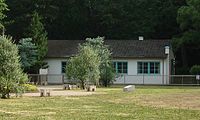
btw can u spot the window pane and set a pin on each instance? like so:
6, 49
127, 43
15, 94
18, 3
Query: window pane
157, 67
140, 67
145, 67
125, 67
64, 66
152, 67
119, 65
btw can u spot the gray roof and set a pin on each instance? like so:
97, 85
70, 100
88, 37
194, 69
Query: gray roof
119, 48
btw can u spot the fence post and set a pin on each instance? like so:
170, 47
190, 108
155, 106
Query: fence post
182, 80
124, 79
63, 79
143, 78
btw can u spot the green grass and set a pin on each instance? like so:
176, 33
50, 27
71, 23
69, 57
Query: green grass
112, 104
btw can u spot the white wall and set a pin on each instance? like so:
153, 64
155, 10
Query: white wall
54, 70
131, 77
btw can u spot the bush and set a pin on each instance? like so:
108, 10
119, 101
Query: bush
29, 88
11, 74
195, 70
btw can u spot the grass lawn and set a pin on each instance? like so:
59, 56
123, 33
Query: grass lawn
146, 103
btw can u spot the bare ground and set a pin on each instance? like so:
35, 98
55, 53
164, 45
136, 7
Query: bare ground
57, 90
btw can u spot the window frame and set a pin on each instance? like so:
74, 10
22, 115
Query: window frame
149, 70
116, 66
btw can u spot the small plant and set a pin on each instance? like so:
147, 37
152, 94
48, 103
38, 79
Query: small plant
195, 70
29, 88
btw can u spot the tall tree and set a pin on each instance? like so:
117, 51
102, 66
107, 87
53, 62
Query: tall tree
188, 42
107, 74
89, 18
11, 74
39, 36
28, 53
3, 7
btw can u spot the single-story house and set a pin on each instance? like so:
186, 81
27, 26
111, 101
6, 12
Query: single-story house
135, 61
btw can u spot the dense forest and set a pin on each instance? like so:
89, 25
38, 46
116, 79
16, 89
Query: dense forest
178, 20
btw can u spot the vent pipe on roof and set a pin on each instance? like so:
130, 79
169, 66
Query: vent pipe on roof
166, 49
141, 38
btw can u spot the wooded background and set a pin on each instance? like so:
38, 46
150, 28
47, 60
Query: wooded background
114, 19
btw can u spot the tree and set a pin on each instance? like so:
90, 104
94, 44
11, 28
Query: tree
11, 74
28, 53
84, 66
3, 7
186, 45
39, 36
195, 70
107, 74
118, 19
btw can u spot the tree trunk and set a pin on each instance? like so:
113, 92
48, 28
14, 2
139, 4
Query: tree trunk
82, 84
5, 93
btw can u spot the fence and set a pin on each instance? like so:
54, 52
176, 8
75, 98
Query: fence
122, 79
158, 79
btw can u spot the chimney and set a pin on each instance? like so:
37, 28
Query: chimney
166, 49
141, 38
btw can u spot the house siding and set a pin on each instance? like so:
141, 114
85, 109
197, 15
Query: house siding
55, 70
132, 77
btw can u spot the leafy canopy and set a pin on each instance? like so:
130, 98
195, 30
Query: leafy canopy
39, 38
107, 73
187, 44
3, 7
11, 74
28, 53
84, 66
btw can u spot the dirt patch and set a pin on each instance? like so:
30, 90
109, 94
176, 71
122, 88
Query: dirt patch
180, 101
63, 93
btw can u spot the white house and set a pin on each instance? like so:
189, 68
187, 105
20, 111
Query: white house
135, 61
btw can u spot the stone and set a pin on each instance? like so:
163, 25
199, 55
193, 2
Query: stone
91, 88
67, 87
45, 92
129, 88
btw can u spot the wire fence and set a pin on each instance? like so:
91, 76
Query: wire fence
122, 79
159, 79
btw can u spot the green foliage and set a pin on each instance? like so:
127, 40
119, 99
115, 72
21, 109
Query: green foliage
195, 70
28, 53
186, 45
29, 87
39, 37
78, 19
84, 66
11, 74
107, 75
3, 7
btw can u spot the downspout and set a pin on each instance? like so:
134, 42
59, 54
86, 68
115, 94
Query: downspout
163, 72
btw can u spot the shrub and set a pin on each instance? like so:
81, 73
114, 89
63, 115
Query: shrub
195, 70
11, 74
29, 88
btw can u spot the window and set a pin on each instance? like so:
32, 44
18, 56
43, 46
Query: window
63, 65
148, 67
121, 67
